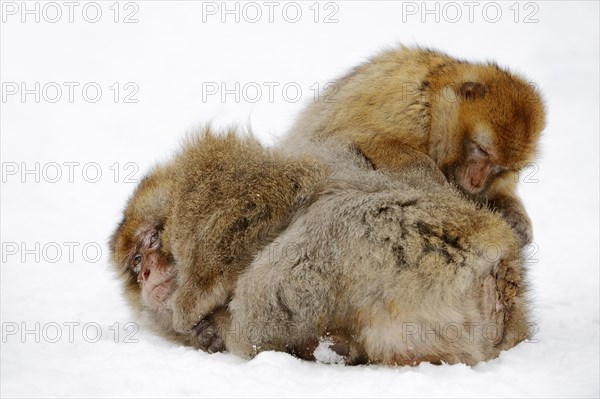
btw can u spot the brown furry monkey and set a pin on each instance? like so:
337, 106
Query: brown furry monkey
479, 123
195, 223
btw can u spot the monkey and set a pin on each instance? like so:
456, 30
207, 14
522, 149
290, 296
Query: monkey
203, 182
194, 223
479, 123
392, 269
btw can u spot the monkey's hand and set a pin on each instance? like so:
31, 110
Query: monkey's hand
208, 336
191, 304
516, 216
210, 331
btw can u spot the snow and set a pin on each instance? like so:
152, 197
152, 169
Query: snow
56, 220
324, 354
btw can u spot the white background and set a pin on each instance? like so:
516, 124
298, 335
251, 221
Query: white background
170, 55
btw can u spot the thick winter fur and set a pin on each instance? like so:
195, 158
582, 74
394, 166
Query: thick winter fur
401, 267
216, 203
231, 197
407, 103
404, 266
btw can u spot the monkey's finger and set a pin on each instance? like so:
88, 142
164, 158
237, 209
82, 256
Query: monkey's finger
206, 338
201, 326
216, 345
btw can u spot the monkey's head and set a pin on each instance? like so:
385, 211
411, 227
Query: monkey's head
500, 121
139, 250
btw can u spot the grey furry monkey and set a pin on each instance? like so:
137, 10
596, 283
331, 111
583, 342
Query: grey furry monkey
391, 269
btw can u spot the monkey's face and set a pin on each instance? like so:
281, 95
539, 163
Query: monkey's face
155, 274
500, 123
149, 273
476, 168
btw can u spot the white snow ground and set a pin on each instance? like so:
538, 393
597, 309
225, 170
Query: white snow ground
172, 56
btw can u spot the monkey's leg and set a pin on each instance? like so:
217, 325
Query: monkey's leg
499, 292
508, 309
281, 303
457, 294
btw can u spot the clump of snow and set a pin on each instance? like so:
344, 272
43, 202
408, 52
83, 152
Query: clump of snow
324, 354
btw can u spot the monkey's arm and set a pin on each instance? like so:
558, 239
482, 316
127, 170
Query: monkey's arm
203, 286
502, 197
210, 250
395, 156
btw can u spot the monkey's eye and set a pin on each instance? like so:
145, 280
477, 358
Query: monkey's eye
154, 239
135, 263
481, 149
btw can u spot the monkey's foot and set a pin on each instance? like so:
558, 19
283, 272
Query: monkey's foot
306, 349
493, 310
208, 336
499, 292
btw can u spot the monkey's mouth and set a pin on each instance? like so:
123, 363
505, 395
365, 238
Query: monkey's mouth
161, 291
472, 189
471, 179
168, 284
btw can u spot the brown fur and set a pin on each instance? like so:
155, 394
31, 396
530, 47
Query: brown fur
433, 105
216, 203
231, 198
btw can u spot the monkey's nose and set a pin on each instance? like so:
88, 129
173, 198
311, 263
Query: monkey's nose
144, 275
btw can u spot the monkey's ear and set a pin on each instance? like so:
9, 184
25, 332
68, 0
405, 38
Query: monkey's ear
472, 90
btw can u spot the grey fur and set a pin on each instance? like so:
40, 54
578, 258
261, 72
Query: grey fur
379, 257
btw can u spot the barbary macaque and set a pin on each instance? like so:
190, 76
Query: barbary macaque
479, 123
392, 269
397, 268
195, 223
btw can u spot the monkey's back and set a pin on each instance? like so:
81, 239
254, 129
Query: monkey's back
385, 265
231, 197
403, 93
